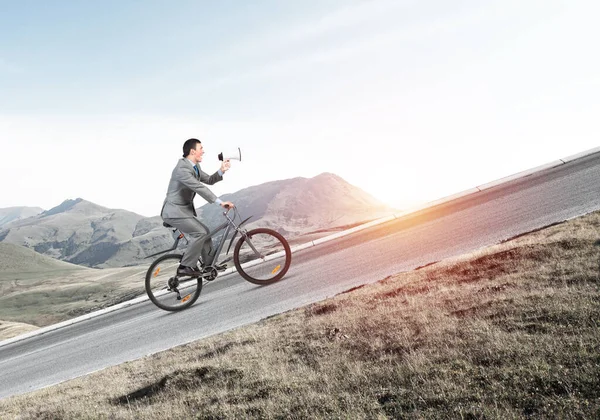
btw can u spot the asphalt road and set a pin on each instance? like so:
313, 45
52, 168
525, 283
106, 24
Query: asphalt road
319, 272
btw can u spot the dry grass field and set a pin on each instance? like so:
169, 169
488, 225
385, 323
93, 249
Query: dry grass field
509, 331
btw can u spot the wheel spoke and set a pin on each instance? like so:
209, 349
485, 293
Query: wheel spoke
165, 288
263, 256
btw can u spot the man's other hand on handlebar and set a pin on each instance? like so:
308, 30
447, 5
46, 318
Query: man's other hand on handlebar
227, 205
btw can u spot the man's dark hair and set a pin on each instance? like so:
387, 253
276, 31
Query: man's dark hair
189, 145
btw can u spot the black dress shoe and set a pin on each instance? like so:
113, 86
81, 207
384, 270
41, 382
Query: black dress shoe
189, 271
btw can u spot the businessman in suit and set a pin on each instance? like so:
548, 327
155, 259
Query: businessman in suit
178, 210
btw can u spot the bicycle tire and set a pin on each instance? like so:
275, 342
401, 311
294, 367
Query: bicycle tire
163, 297
269, 243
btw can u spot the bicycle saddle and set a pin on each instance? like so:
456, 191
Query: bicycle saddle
165, 224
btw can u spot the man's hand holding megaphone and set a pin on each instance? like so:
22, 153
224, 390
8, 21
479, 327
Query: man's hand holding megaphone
223, 157
225, 165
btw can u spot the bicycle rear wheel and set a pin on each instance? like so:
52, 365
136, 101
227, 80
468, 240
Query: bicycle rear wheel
263, 256
166, 289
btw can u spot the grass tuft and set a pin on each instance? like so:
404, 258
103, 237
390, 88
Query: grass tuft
320, 309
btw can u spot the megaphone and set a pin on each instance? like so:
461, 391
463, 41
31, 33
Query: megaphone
237, 155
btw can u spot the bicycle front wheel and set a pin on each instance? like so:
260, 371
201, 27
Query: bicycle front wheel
263, 256
166, 289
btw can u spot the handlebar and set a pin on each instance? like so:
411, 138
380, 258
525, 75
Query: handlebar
228, 209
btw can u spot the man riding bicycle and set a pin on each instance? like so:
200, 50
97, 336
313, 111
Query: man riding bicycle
178, 210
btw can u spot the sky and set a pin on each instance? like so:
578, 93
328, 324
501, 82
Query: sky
409, 100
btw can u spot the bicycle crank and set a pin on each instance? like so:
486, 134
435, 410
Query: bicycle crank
209, 273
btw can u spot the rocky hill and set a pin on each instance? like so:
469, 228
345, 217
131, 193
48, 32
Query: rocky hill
84, 233
81, 232
299, 205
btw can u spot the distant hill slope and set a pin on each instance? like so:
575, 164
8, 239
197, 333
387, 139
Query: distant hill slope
11, 214
299, 205
85, 233
18, 258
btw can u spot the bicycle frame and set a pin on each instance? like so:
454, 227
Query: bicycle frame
227, 225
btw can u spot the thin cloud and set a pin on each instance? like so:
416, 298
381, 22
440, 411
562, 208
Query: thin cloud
290, 42
346, 20
384, 40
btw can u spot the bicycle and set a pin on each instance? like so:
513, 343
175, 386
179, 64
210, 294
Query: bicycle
261, 256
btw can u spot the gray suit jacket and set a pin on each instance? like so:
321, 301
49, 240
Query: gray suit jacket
183, 187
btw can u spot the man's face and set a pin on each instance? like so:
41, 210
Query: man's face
197, 153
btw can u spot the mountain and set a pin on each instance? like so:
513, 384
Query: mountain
84, 233
11, 214
81, 232
300, 205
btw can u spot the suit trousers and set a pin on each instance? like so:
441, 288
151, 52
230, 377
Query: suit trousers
199, 244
